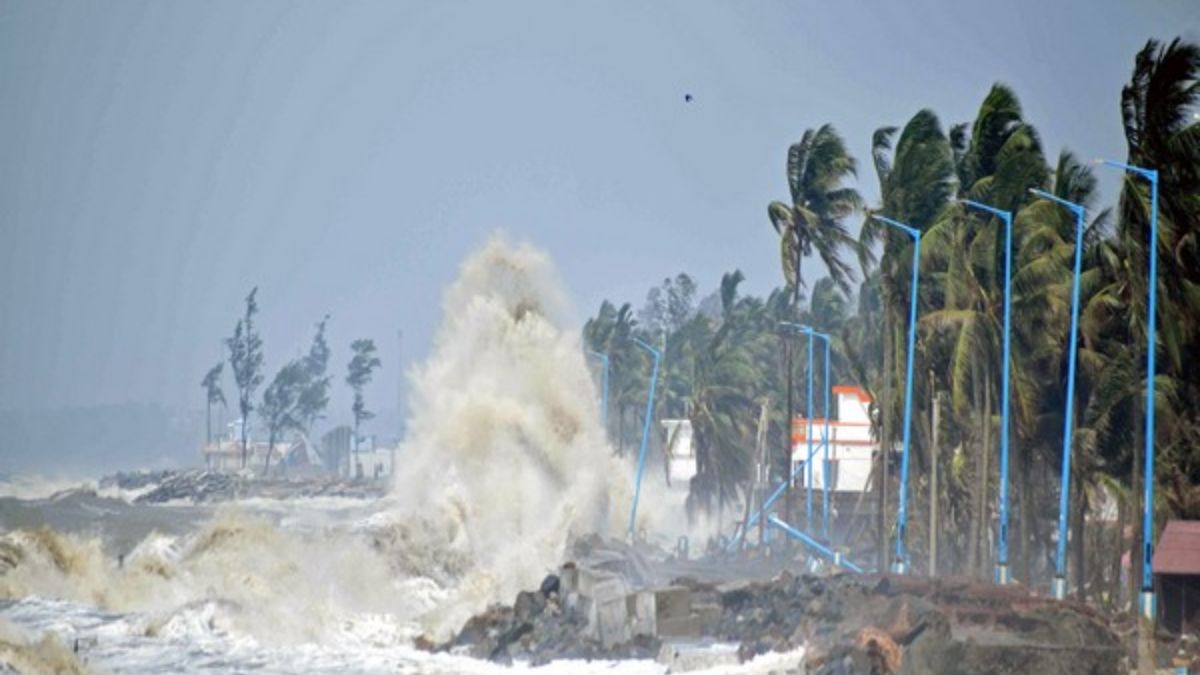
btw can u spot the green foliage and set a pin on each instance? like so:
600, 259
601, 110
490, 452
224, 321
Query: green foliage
358, 374
813, 222
246, 360
212, 385
314, 392
280, 410
726, 358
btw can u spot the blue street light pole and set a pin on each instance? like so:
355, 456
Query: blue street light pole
1147, 598
641, 467
825, 457
1059, 589
1002, 576
603, 358
901, 564
808, 505
824, 337
808, 332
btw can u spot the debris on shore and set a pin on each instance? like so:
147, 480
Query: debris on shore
845, 624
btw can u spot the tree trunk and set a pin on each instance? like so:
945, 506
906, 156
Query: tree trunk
208, 423
1135, 517
621, 428
1081, 501
270, 448
245, 449
788, 460
1118, 550
354, 469
934, 454
1026, 505
885, 445
981, 478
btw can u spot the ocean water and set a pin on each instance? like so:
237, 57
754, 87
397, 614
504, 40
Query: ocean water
505, 461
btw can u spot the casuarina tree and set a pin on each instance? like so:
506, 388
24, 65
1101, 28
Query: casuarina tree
280, 409
359, 374
246, 359
314, 393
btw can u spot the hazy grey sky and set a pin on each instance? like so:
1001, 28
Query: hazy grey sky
157, 159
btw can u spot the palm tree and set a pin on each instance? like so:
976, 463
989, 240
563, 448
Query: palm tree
1002, 159
817, 167
914, 189
1161, 133
213, 396
610, 332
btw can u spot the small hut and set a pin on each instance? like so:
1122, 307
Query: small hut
1176, 566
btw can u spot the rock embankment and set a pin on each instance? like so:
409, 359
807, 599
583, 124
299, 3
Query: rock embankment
860, 624
198, 486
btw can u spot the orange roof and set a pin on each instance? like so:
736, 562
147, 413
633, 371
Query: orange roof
851, 389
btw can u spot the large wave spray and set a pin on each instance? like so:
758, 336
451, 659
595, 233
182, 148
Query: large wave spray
506, 456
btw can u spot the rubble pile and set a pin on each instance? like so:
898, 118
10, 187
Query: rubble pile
846, 624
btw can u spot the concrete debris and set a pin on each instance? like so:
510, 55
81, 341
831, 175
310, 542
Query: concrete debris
847, 624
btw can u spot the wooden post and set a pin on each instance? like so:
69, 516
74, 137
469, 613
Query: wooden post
933, 480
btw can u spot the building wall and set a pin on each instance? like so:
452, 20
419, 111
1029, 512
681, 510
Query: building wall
851, 447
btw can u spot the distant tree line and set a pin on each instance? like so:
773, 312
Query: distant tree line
297, 396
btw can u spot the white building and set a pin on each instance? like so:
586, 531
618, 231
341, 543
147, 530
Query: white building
850, 444
681, 456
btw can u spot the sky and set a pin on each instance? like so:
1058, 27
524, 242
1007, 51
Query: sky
159, 159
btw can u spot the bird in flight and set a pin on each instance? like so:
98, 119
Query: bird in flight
687, 98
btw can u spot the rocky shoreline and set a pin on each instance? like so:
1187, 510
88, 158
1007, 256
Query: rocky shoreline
199, 486
845, 624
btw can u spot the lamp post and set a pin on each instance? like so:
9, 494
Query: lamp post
641, 466
824, 337
764, 509
1002, 575
901, 564
1059, 588
603, 358
1146, 601
799, 328
808, 505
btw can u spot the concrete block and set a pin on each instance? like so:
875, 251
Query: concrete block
682, 657
568, 579
588, 579
687, 626
609, 616
672, 602
642, 613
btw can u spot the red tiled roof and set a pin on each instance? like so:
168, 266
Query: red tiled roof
1178, 550
853, 390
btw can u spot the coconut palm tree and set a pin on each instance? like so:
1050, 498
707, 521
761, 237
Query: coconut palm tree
914, 187
817, 167
1161, 132
1002, 159
726, 380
